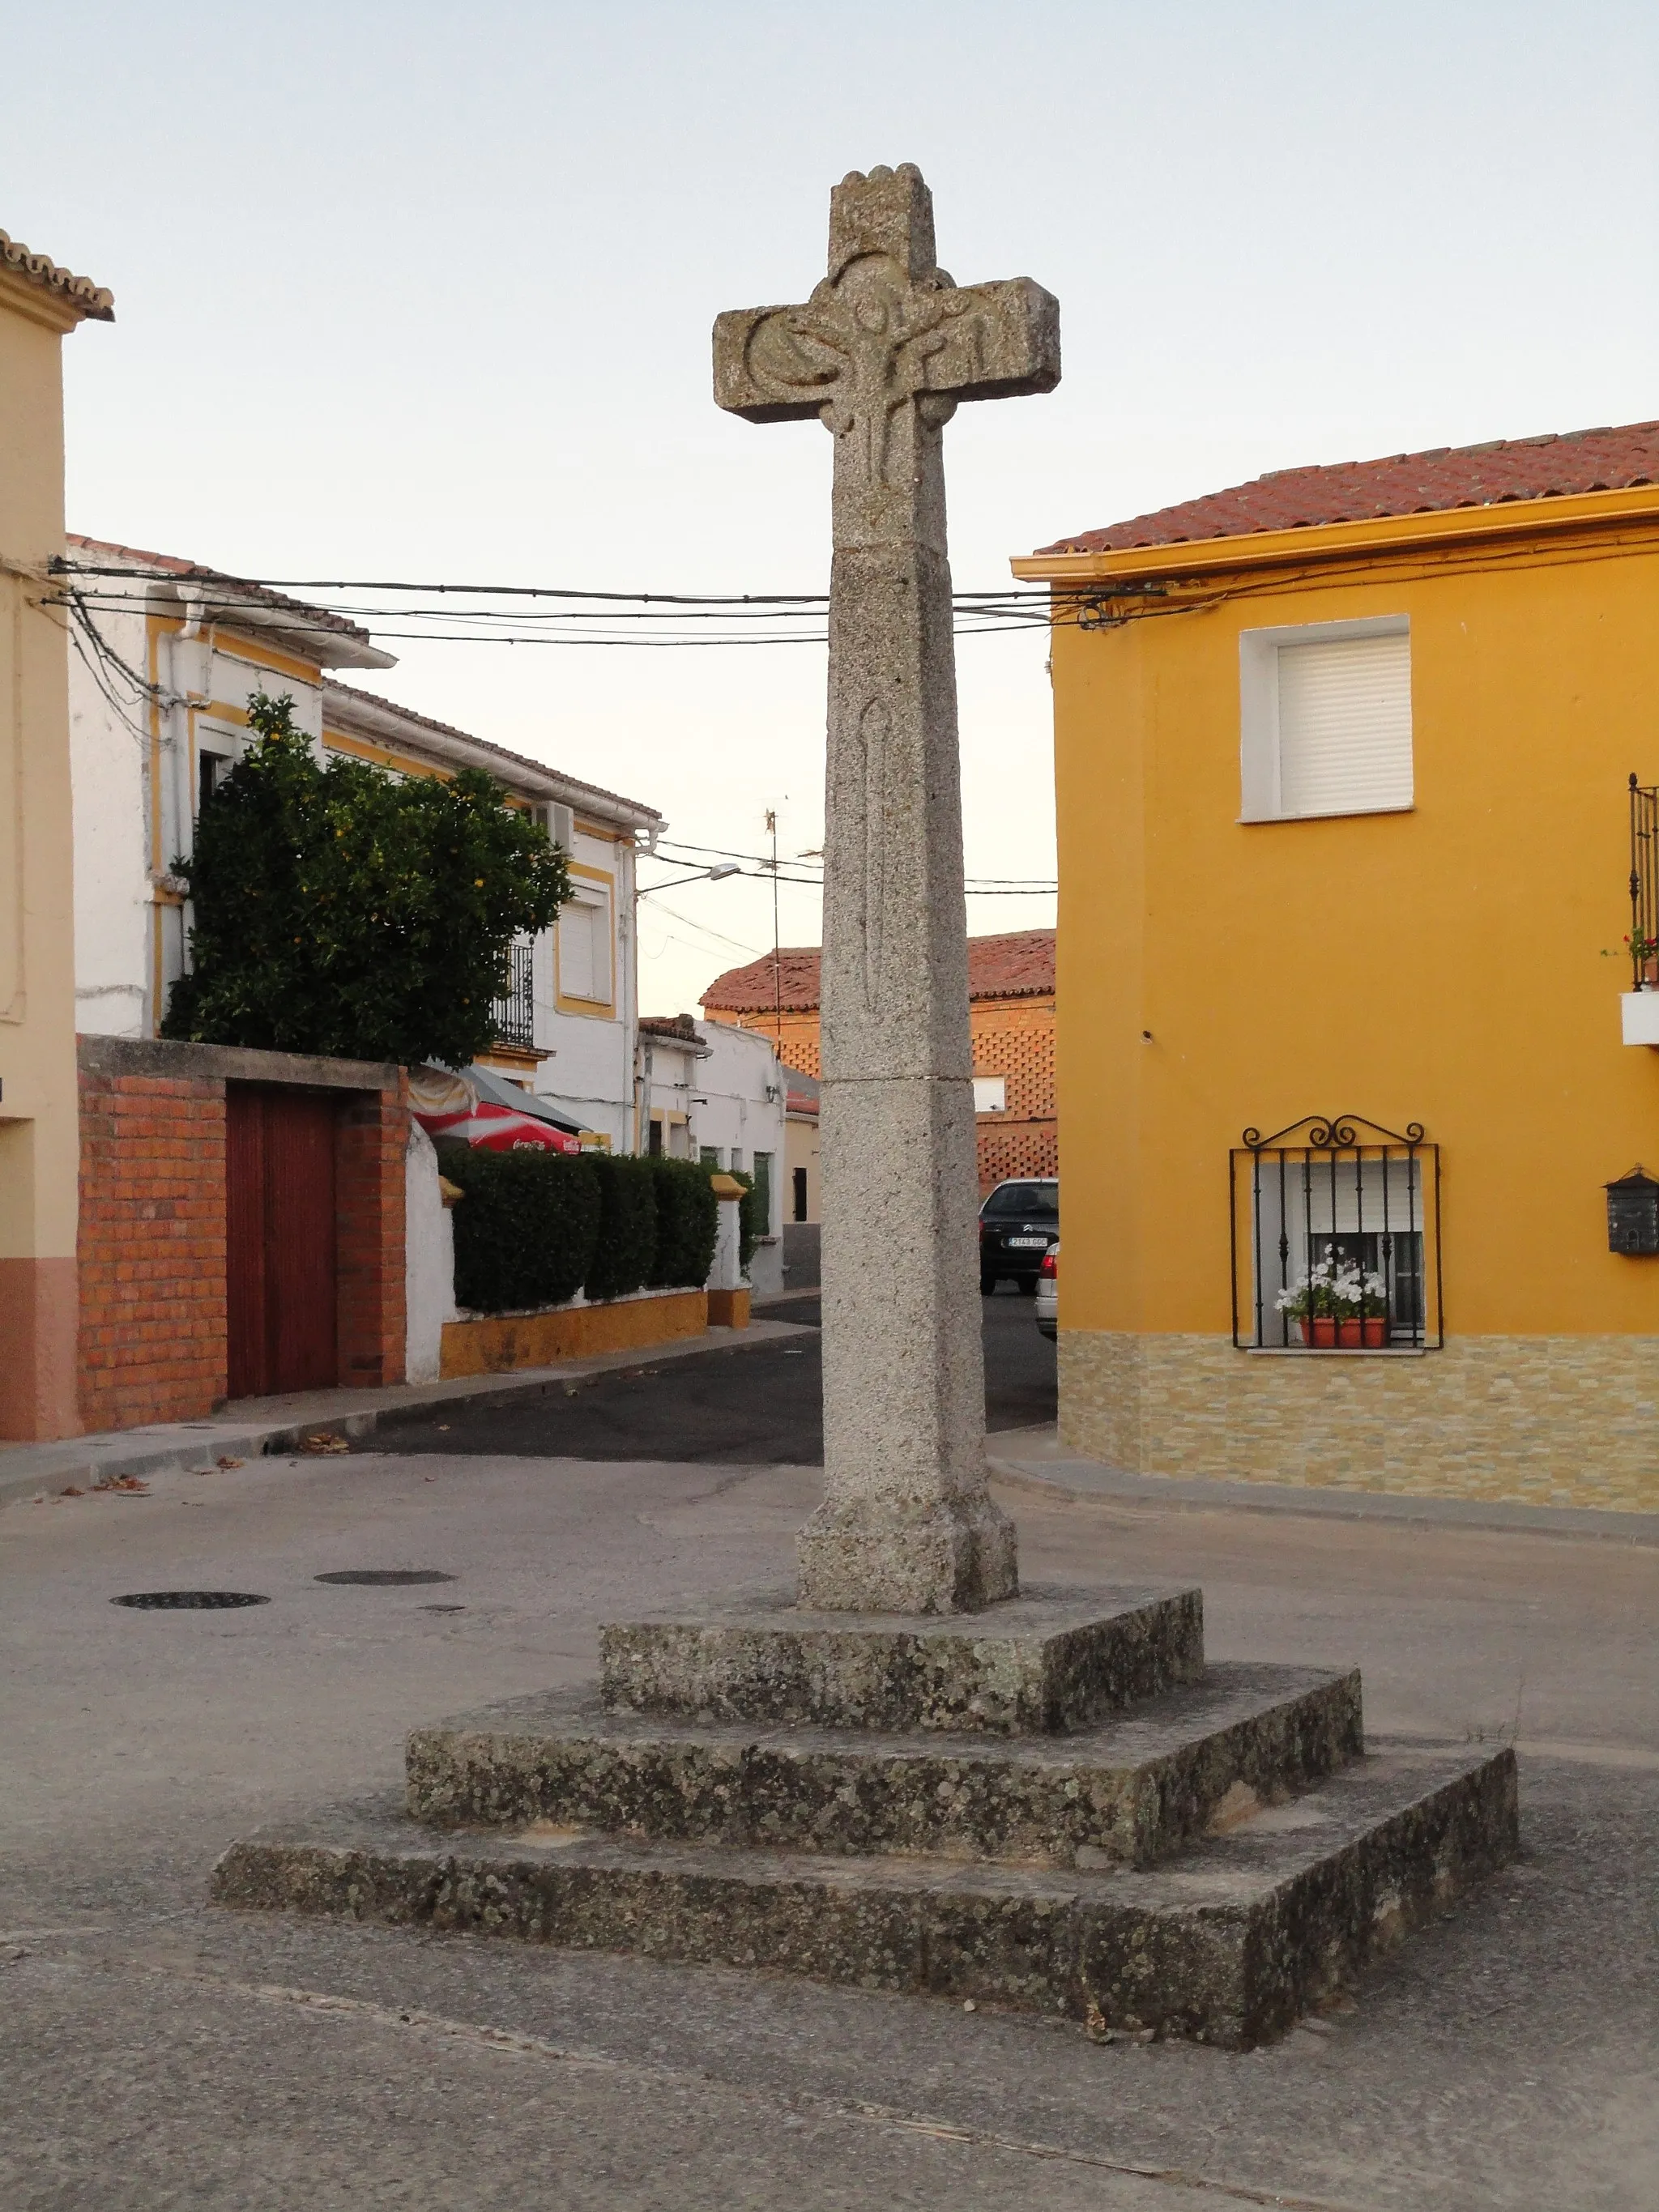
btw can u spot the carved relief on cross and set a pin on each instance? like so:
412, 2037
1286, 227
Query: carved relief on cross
883, 352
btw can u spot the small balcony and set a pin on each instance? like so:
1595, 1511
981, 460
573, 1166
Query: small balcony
1639, 1007
515, 1010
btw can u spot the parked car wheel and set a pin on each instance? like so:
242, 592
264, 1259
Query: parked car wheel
987, 1283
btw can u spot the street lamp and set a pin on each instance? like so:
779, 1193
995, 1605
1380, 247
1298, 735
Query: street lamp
697, 875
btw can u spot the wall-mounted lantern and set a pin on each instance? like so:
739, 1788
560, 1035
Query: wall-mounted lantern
1633, 1213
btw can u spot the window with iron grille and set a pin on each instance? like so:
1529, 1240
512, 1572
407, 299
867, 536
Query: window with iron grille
515, 1010
1336, 1238
1643, 885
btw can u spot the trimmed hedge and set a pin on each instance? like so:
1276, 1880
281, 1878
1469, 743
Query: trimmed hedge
688, 1221
625, 1247
525, 1230
751, 1225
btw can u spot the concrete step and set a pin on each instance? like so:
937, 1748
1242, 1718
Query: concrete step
1130, 1790
1048, 1660
1227, 1944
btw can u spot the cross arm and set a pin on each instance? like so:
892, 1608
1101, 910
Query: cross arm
995, 341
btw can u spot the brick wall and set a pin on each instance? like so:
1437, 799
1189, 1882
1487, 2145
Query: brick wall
795, 1037
152, 1243
1013, 1038
151, 1248
368, 1167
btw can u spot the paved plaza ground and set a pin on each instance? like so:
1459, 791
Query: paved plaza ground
158, 2053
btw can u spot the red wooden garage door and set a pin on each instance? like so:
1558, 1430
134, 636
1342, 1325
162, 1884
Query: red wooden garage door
280, 1237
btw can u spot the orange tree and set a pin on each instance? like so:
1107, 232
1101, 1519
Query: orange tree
341, 910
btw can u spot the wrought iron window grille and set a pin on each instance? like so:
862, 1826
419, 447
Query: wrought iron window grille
1335, 1238
1643, 885
515, 1009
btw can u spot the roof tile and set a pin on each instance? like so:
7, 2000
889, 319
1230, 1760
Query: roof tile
92, 301
1019, 964
1439, 480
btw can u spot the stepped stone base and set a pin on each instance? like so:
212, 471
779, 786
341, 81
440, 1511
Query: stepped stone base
1053, 1804
1227, 1945
1046, 1660
1130, 1790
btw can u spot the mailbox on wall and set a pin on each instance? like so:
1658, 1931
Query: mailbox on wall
1633, 1214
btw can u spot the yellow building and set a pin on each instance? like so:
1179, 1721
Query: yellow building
39, 303
1343, 762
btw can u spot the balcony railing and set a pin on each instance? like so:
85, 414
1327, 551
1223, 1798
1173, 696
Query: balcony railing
1643, 885
515, 1010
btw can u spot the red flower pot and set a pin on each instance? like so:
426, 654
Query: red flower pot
1369, 1333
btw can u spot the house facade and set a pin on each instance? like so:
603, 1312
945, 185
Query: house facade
167, 656
714, 1093
1010, 985
40, 304
1354, 769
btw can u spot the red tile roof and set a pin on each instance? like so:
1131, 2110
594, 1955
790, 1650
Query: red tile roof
1406, 483
1019, 965
221, 592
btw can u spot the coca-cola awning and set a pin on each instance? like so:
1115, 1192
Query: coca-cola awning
481, 1109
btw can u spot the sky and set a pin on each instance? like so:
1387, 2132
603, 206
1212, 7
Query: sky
425, 291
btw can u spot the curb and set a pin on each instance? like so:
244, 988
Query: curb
1080, 1482
184, 1445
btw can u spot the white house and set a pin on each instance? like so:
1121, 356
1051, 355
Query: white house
717, 1094
166, 656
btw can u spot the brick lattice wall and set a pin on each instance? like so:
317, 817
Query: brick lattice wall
151, 1248
796, 1037
1013, 1038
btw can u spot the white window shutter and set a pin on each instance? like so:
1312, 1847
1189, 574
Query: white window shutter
576, 951
585, 948
1345, 726
559, 823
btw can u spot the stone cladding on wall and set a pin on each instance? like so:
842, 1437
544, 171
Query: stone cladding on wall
1541, 1420
151, 1248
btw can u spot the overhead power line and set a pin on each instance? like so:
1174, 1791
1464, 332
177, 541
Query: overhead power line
532, 614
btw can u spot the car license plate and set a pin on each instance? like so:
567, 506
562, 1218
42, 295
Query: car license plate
1028, 1244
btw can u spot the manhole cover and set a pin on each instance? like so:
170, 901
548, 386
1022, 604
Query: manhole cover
387, 1577
188, 1601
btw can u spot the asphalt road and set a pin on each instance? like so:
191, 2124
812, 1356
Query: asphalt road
760, 1404
160, 2055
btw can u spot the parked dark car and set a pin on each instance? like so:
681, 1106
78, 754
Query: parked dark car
1018, 1222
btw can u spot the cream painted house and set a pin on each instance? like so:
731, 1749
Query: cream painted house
716, 1093
40, 1152
167, 656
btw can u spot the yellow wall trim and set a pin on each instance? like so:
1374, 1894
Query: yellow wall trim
1331, 540
498, 1344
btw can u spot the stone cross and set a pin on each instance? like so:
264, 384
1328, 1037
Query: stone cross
882, 352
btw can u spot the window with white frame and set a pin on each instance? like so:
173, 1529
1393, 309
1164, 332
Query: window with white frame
1325, 720
584, 945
